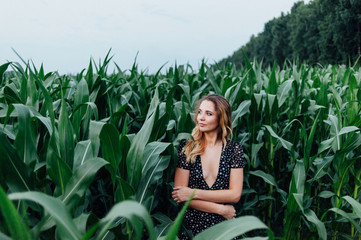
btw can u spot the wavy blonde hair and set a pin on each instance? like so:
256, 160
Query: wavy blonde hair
197, 145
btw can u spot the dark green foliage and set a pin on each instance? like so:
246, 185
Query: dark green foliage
322, 31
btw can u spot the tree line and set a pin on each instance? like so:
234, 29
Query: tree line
322, 31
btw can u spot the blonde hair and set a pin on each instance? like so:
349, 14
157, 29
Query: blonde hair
197, 145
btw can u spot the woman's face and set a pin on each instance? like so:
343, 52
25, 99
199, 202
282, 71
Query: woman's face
207, 117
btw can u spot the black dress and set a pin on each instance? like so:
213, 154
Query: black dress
231, 157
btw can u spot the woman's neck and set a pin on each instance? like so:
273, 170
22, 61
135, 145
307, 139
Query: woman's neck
211, 139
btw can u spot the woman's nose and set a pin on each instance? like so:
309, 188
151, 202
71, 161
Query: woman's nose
201, 116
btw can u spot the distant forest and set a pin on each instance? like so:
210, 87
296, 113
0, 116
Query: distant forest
322, 31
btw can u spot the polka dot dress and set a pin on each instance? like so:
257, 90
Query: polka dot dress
231, 157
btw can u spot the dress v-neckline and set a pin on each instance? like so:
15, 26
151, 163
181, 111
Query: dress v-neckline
219, 167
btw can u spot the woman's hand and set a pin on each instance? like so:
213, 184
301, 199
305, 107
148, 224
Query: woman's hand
181, 194
228, 211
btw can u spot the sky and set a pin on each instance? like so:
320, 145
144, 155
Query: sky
64, 35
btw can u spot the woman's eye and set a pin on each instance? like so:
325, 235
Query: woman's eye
209, 114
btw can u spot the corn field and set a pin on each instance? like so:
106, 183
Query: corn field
93, 155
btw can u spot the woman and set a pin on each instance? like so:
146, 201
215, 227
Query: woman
211, 165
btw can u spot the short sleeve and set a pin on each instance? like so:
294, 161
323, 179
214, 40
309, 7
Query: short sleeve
182, 159
238, 160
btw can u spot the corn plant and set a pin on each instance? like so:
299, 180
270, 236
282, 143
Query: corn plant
93, 155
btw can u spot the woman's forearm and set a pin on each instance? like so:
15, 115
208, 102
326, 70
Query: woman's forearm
206, 206
219, 196
226, 211
182, 194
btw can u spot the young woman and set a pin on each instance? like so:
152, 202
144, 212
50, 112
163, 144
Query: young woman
211, 165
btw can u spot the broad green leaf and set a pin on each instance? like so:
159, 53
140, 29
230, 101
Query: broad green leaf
284, 143
325, 145
94, 131
80, 181
299, 176
322, 168
231, 228
356, 206
66, 137
299, 200
25, 139
272, 84
284, 91
2, 70
16, 227
132, 211
326, 194
153, 168
345, 130
17, 175
81, 96
83, 151
348, 217
255, 150
4, 237
55, 208
109, 138
266, 177
320, 226
124, 190
135, 154
242, 109
58, 170
173, 231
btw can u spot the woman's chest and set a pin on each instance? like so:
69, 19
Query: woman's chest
197, 179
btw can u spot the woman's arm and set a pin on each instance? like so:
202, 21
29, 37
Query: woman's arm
227, 211
181, 193
181, 180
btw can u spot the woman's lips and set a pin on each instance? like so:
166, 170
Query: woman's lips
202, 124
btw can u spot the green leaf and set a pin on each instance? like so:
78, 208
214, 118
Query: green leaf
132, 211
80, 181
2, 70
299, 176
230, 229
272, 84
266, 177
255, 150
94, 132
109, 138
345, 130
4, 237
348, 217
25, 140
135, 154
58, 170
81, 96
66, 136
16, 227
325, 145
326, 194
242, 109
83, 151
15, 172
153, 167
284, 91
356, 206
55, 208
320, 226
287, 145
124, 190
173, 231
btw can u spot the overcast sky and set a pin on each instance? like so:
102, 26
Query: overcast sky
64, 35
